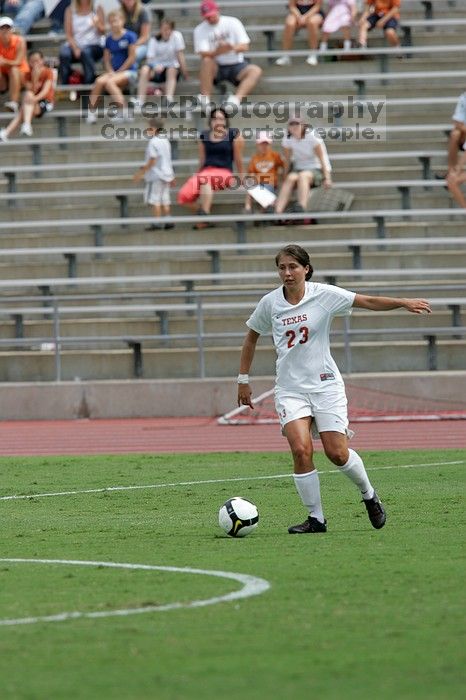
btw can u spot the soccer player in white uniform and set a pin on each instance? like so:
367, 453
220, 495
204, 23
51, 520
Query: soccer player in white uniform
309, 389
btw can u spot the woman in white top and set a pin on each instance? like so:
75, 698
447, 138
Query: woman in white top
309, 389
164, 61
307, 164
84, 28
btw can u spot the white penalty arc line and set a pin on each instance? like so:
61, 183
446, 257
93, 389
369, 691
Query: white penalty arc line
251, 586
174, 484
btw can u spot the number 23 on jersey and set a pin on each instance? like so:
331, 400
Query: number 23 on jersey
301, 336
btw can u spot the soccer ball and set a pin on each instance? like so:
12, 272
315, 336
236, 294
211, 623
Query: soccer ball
238, 517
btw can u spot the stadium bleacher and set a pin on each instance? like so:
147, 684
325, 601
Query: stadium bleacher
170, 304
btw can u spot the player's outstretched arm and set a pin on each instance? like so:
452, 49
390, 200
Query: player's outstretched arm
247, 356
415, 306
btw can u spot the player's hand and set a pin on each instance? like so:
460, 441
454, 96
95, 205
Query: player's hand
327, 183
418, 306
244, 395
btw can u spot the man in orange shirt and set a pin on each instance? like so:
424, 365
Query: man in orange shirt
38, 97
13, 64
265, 166
383, 14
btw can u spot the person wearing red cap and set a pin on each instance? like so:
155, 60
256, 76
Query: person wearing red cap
221, 41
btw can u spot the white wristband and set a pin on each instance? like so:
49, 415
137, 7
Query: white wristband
243, 378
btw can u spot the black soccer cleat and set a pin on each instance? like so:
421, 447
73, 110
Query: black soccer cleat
309, 525
375, 511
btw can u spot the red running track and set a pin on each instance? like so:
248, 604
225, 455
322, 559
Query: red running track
205, 435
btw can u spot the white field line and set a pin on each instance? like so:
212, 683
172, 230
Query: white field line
252, 585
174, 484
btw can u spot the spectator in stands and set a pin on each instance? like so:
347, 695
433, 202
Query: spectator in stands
158, 174
457, 137
302, 14
219, 147
267, 166
28, 12
137, 20
457, 177
306, 162
84, 28
341, 15
38, 97
119, 63
381, 14
164, 61
13, 63
221, 41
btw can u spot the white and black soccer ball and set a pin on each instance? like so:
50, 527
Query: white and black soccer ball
238, 517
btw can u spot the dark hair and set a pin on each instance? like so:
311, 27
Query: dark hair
170, 22
299, 254
304, 128
212, 114
156, 123
33, 52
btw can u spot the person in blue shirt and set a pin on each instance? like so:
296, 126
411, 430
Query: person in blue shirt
119, 63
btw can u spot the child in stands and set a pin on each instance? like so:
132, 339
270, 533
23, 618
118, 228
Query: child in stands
38, 97
266, 165
120, 67
158, 174
380, 14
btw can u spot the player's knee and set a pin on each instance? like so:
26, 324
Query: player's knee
337, 455
301, 453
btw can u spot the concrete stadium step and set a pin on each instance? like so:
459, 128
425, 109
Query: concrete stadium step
150, 324
224, 234
166, 363
156, 264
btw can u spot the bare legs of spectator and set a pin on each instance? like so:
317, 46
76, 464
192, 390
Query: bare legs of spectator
207, 72
284, 195
390, 34
346, 31
144, 77
313, 25
170, 83
29, 109
455, 142
206, 197
13, 83
289, 30
248, 79
303, 182
392, 37
158, 209
112, 83
454, 180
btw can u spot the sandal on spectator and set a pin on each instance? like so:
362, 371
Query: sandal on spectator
202, 224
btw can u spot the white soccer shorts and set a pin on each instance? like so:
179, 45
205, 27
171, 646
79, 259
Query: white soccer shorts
329, 409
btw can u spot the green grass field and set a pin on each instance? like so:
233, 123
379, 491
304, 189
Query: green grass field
355, 613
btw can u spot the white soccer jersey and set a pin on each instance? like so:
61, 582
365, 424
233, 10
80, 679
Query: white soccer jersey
301, 334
